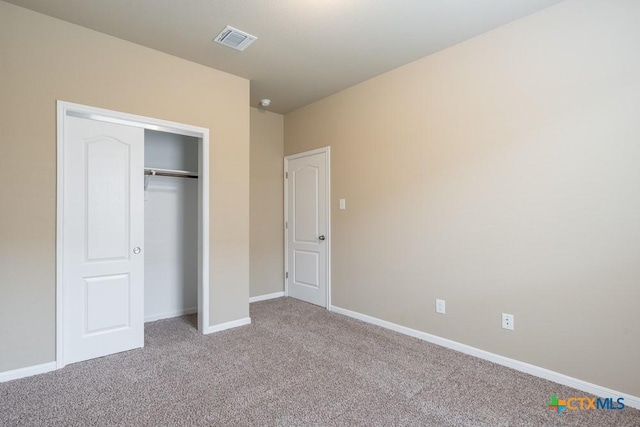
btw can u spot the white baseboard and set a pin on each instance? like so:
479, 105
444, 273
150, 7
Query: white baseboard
27, 372
227, 325
266, 297
537, 371
169, 315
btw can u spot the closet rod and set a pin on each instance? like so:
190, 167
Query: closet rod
170, 172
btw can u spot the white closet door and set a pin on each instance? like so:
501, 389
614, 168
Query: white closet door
103, 238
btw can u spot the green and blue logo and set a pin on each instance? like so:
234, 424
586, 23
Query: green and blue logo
584, 403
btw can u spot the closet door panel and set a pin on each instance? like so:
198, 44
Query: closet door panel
103, 278
107, 213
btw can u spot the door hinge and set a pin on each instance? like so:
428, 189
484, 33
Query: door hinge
286, 175
286, 275
286, 225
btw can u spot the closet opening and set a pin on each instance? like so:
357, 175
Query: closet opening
132, 228
170, 225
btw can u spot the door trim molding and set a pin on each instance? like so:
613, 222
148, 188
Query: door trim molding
327, 151
64, 109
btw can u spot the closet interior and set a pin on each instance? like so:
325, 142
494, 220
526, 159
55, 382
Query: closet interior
171, 225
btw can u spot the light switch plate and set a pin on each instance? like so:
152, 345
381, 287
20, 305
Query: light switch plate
440, 306
343, 204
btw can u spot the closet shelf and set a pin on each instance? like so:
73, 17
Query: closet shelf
170, 172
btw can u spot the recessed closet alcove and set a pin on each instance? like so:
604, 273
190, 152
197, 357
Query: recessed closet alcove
170, 225
133, 209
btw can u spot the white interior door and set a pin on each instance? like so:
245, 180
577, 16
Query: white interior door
103, 217
307, 228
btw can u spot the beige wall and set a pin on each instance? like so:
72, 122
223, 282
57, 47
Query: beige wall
44, 59
267, 242
501, 175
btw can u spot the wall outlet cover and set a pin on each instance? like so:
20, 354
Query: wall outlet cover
508, 321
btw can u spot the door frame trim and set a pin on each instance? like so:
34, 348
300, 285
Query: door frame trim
64, 109
327, 152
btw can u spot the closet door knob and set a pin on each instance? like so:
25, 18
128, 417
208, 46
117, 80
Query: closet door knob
136, 250
321, 237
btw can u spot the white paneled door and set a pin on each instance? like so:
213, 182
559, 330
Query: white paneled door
307, 227
103, 258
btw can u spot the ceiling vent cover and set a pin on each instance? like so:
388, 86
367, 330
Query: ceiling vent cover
234, 38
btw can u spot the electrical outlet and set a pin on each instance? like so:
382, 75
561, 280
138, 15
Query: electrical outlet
508, 321
440, 306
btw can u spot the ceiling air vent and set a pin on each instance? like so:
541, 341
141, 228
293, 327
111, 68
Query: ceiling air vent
234, 38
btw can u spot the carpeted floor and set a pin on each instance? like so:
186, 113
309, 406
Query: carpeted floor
296, 364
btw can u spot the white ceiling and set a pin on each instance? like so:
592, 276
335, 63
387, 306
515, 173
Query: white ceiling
306, 49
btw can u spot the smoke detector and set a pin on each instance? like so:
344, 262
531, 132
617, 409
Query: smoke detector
265, 102
234, 38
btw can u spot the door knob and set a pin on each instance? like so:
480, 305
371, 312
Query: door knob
136, 250
321, 237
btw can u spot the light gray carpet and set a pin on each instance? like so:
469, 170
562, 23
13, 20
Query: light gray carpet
296, 364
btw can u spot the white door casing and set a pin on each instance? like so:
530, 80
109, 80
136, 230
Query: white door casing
67, 110
103, 216
307, 231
